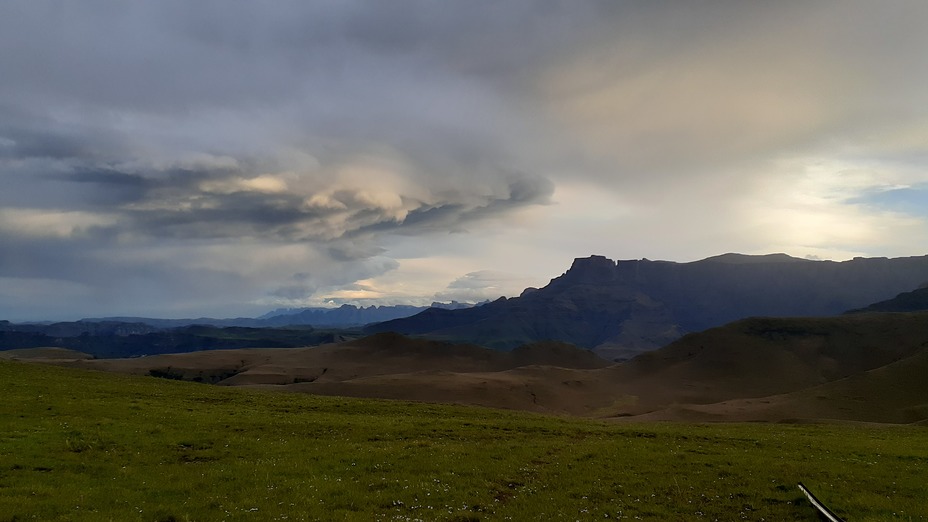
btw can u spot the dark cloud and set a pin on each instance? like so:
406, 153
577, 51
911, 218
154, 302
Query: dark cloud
452, 215
220, 203
37, 144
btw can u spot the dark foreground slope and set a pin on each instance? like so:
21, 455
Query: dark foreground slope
624, 308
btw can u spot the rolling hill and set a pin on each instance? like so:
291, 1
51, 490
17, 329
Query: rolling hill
759, 357
894, 393
381, 354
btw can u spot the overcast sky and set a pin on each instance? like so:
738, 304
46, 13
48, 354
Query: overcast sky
178, 159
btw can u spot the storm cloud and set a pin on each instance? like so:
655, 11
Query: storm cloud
216, 158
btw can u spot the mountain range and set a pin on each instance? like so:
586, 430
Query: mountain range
343, 316
620, 309
138, 336
617, 309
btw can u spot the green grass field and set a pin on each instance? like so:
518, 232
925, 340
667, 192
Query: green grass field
78, 445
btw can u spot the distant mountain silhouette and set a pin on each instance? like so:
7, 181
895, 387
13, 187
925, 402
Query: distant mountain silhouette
339, 316
627, 307
343, 316
137, 336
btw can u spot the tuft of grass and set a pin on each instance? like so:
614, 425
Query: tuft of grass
78, 445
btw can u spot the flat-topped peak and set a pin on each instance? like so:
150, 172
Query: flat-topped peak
593, 268
592, 261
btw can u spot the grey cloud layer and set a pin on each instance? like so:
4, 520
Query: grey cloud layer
111, 84
132, 128
180, 203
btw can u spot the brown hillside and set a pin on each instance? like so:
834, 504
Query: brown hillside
760, 357
895, 393
495, 389
381, 354
545, 389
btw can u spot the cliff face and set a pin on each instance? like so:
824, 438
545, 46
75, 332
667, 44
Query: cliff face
588, 270
630, 306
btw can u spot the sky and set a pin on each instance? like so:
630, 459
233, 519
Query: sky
168, 158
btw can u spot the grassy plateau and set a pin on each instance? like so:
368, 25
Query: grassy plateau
82, 445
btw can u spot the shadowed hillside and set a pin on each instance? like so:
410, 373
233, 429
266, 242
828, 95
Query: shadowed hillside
766, 356
894, 393
914, 301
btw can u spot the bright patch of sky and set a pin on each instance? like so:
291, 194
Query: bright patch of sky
905, 200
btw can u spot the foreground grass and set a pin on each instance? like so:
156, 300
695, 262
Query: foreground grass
91, 446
